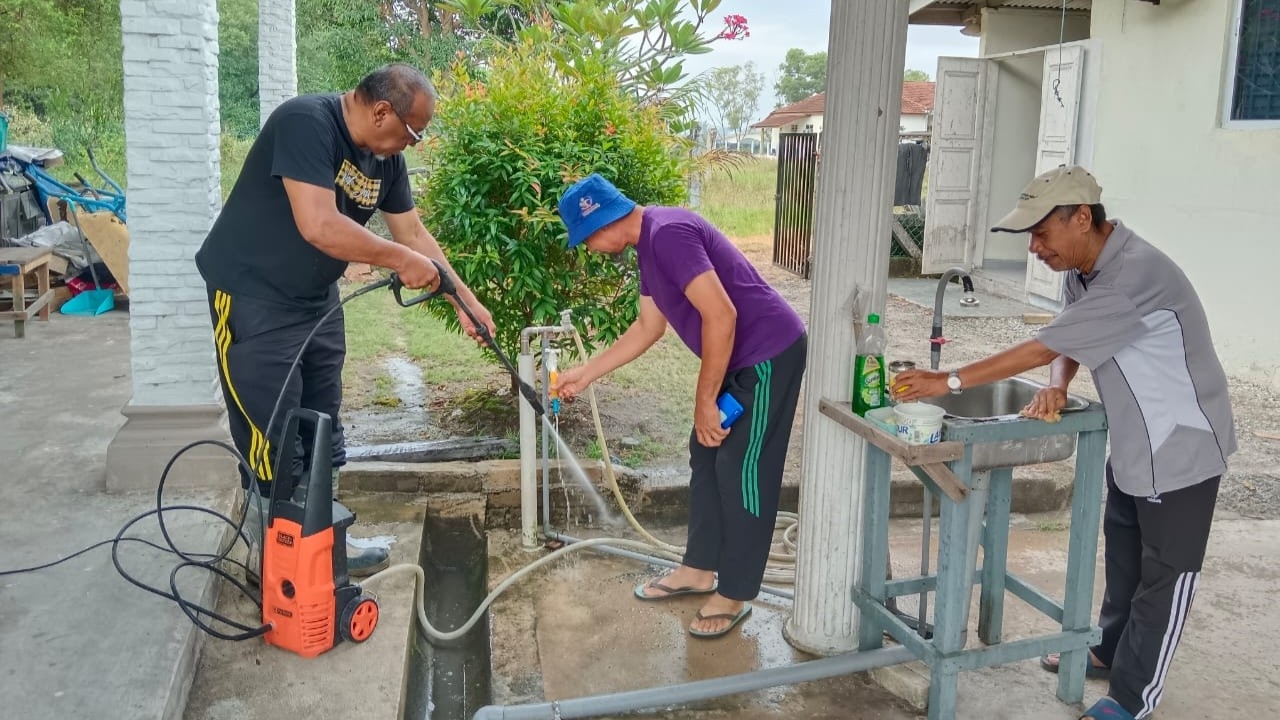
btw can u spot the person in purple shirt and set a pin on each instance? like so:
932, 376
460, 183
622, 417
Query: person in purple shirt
752, 345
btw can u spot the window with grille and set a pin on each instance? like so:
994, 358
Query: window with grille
1256, 78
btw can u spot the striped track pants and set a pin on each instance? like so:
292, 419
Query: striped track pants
734, 488
255, 343
1154, 551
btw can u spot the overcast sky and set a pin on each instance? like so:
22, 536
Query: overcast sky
777, 26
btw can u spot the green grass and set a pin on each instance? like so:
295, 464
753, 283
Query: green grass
738, 199
1052, 525
377, 326
646, 451
445, 355
373, 325
384, 392
234, 151
667, 374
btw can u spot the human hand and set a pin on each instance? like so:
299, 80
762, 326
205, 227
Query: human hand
417, 271
571, 382
915, 384
483, 316
1046, 405
706, 424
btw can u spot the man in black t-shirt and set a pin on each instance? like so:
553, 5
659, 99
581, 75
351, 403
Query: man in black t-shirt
318, 170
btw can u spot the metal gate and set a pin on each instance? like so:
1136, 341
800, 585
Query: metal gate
794, 201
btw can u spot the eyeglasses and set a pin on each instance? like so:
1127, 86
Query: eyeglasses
416, 137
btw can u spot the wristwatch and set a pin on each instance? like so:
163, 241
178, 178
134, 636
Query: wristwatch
953, 382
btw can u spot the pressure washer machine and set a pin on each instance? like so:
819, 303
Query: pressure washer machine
308, 600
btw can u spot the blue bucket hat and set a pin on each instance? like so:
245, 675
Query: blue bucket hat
590, 204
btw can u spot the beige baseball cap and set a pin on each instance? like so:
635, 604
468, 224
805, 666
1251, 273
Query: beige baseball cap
1063, 185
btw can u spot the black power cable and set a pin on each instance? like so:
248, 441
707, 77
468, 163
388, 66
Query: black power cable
213, 562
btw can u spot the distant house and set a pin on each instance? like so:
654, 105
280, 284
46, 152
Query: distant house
806, 115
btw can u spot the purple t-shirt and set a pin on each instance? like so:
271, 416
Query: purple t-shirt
676, 245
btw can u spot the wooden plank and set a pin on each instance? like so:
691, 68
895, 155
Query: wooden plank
1267, 435
110, 238
1082, 553
904, 239
995, 554
909, 453
947, 481
27, 257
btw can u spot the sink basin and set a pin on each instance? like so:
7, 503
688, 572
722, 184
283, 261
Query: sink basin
1000, 402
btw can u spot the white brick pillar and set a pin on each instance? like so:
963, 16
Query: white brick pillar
174, 194
865, 59
277, 61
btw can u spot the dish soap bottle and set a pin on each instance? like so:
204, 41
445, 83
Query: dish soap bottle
869, 370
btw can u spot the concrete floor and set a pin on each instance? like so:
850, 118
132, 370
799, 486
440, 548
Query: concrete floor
77, 640
576, 631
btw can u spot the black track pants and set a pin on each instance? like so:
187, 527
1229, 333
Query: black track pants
1154, 550
256, 343
734, 488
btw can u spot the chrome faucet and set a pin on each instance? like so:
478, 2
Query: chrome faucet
937, 340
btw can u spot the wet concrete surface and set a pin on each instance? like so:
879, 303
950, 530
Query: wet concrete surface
576, 630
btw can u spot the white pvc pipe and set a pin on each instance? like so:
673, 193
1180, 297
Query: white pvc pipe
528, 461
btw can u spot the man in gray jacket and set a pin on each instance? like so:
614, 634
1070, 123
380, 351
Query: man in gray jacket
1135, 321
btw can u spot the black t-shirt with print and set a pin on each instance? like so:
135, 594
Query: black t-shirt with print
254, 248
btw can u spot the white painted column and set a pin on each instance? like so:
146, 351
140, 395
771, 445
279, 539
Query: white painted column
174, 194
865, 58
277, 55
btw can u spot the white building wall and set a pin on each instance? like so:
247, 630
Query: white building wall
1203, 193
803, 125
914, 123
277, 63
172, 152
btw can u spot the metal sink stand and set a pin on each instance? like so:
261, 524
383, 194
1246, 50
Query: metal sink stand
967, 497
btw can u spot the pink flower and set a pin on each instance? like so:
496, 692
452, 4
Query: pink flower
735, 28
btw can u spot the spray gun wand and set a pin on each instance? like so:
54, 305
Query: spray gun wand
448, 287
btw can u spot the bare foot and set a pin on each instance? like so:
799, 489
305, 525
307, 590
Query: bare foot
717, 605
681, 577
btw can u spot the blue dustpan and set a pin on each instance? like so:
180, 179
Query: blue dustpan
90, 303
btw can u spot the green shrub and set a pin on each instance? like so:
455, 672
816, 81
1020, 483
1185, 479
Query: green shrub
507, 146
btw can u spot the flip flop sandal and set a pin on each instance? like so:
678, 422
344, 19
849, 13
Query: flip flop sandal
1090, 670
668, 592
734, 619
1106, 709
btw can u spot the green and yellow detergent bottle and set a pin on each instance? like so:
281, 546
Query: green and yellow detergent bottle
869, 370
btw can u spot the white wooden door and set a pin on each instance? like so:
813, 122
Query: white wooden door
959, 163
1056, 143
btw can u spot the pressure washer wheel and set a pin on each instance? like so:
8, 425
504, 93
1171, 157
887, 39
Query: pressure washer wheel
359, 618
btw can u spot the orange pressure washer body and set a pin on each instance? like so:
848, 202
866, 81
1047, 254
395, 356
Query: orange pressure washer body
307, 597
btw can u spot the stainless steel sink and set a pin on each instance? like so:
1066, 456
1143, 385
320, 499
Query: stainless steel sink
1000, 402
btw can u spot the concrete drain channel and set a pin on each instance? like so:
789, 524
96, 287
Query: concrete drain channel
448, 681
